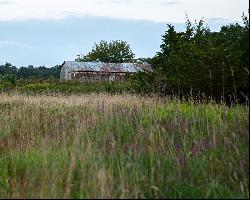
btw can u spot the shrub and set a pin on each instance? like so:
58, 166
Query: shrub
6, 86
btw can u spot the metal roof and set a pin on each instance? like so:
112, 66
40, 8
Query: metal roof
105, 67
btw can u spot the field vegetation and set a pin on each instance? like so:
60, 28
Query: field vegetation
121, 146
66, 88
179, 131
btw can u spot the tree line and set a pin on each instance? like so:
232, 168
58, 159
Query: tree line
196, 62
199, 62
8, 71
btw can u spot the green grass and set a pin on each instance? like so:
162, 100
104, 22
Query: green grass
121, 146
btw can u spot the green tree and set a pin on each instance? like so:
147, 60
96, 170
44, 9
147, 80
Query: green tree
180, 64
8, 69
41, 72
110, 52
142, 60
198, 61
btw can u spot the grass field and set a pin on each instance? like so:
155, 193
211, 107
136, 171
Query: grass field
121, 146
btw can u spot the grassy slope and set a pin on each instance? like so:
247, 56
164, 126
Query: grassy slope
100, 146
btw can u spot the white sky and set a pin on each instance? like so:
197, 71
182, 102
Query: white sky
154, 10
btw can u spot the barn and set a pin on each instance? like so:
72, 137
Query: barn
99, 71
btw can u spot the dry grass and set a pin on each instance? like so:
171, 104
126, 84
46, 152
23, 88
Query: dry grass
121, 146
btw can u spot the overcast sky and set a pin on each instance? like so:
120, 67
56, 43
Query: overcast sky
31, 27
154, 10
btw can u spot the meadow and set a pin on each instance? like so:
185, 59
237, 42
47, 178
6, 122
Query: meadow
121, 146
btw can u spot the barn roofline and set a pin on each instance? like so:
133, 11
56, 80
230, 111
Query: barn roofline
109, 63
140, 65
62, 65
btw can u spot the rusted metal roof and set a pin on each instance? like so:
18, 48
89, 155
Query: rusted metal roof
72, 66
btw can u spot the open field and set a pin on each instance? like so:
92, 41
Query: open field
121, 146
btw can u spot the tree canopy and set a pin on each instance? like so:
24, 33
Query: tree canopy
29, 72
110, 52
198, 61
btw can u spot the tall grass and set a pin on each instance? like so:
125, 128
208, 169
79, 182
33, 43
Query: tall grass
121, 146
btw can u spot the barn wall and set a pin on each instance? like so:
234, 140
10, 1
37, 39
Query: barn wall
65, 74
70, 67
62, 74
97, 76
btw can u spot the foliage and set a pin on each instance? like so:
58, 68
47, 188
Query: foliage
109, 52
11, 78
142, 60
199, 61
7, 82
55, 86
6, 86
30, 72
8, 69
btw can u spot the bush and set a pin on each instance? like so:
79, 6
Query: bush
8, 78
6, 86
69, 87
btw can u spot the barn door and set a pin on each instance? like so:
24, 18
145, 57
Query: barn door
111, 77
